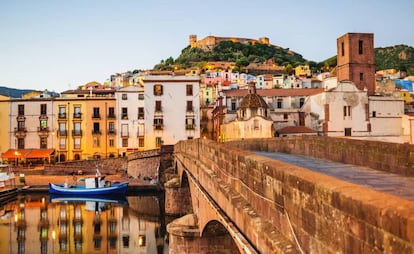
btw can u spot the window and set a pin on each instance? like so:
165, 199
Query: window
43, 143
189, 124
374, 113
348, 132
158, 141
301, 102
141, 142
20, 143
77, 129
43, 124
140, 113
360, 47
189, 105
76, 112
111, 142
96, 129
20, 110
158, 90
361, 76
124, 142
158, 106
279, 103
233, 105
124, 96
96, 141
124, 113
111, 128
111, 112
124, 130
62, 144
77, 143
141, 130
158, 123
347, 111
189, 90
62, 112
141, 96
285, 116
342, 49
256, 124
43, 109
96, 112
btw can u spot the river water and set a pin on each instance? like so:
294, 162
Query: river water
40, 223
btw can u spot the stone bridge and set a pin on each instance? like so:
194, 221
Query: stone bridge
234, 201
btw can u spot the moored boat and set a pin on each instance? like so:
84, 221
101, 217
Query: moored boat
113, 188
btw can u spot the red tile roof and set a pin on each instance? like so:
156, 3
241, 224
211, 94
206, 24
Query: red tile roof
295, 129
275, 92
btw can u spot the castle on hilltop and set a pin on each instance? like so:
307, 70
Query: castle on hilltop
209, 42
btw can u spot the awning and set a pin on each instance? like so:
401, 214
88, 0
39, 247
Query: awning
15, 153
39, 153
27, 153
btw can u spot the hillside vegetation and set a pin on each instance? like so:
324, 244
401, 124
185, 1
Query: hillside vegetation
400, 57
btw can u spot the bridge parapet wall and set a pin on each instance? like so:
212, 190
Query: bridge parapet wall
324, 214
391, 157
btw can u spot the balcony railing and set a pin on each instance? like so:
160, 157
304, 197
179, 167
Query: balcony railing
77, 133
111, 116
62, 133
96, 132
21, 118
158, 126
96, 116
124, 134
77, 115
190, 126
111, 132
43, 117
62, 115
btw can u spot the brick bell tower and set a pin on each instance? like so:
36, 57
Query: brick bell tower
356, 60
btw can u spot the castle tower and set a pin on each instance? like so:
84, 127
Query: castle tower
356, 60
193, 40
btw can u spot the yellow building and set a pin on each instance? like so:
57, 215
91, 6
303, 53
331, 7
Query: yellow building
4, 119
86, 125
302, 70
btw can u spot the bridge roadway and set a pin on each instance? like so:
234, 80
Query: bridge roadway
393, 184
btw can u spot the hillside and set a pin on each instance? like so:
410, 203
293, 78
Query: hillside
400, 57
13, 92
240, 54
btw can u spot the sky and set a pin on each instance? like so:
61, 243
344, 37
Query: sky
59, 45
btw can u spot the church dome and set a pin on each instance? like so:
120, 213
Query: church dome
252, 99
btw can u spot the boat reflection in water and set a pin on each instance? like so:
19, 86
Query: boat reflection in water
64, 224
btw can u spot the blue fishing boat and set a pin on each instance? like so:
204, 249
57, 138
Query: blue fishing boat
108, 189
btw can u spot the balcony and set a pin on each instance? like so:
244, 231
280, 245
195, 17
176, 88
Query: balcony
62, 133
77, 133
111, 116
111, 132
20, 132
96, 116
43, 117
96, 132
21, 118
124, 117
158, 126
62, 116
43, 131
77, 115
190, 126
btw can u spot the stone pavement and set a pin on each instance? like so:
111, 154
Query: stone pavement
381, 181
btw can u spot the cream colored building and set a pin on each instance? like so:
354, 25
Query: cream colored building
348, 111
172, 109
252, 119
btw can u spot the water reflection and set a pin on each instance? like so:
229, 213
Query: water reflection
42, 224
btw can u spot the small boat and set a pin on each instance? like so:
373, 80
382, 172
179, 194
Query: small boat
113, 188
